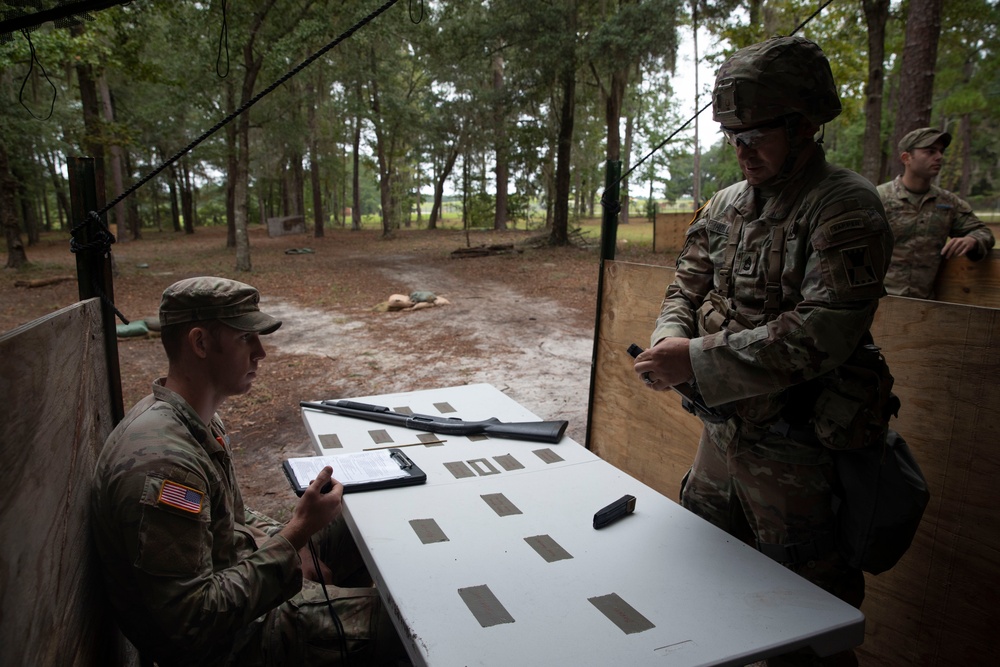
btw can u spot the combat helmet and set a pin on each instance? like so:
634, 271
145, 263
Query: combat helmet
765, 81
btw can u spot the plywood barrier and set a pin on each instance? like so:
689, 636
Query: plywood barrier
669, 230
972, 283
54, 390
938, 605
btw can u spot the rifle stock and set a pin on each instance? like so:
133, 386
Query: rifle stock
542, 431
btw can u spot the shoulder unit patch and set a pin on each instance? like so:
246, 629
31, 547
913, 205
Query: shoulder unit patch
858, 266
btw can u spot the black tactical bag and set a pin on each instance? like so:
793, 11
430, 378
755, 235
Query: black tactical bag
882, 499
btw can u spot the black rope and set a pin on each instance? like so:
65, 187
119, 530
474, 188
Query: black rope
31, 68
223, 40
100, 243
344, 651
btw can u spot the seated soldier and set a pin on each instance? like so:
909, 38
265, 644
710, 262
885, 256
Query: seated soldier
194, 578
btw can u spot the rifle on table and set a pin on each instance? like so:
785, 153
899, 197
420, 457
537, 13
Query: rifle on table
536, 431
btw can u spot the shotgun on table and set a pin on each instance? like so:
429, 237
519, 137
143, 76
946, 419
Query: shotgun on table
551, 431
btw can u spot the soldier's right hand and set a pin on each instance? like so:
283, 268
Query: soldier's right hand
315, 509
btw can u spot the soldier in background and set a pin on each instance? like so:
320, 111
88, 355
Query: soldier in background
194, 577
774, 290
928, 222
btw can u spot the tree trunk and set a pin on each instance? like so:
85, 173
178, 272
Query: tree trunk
115, 162
502, 154
559, 234
92, 142
696, 185
923, 28
16, 256
57, 184
241, 188
626, 199
131, 202
175, 209
876, 16
25, 202
241, 180
314, 176
356, 177
231, 158
965, 134
187, 203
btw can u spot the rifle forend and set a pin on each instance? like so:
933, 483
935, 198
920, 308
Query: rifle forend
551, 431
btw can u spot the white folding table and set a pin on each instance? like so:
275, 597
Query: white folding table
494, 561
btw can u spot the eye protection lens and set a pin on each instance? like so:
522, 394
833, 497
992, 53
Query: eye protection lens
752, 139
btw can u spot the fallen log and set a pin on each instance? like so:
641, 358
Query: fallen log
42, 282
484, 250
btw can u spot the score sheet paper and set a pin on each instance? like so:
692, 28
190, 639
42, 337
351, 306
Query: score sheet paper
353, 468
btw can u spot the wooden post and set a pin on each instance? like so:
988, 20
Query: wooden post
93, 264
609, 239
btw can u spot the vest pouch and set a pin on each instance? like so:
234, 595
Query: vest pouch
853, 407
716, 314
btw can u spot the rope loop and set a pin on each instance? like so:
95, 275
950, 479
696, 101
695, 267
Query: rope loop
101, 240
100, 244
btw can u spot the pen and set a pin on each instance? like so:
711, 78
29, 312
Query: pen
411, 444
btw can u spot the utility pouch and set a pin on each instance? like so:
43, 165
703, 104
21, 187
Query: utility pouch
716, 314
854, 404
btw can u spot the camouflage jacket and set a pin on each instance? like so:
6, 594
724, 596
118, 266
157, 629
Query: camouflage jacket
184, 576
921, 232
826, 286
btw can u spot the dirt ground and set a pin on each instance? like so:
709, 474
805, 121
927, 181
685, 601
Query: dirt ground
522, 321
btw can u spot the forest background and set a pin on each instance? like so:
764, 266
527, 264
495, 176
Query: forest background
514, 106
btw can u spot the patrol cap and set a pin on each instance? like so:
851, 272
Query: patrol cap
209, 298
923, 137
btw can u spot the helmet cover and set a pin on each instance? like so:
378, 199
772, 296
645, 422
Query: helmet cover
765, 81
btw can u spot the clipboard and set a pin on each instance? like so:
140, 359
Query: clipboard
300, 471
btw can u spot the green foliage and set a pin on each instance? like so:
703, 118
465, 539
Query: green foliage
423, 94
480, 210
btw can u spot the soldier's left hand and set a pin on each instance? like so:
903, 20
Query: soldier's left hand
956, 247
666, 364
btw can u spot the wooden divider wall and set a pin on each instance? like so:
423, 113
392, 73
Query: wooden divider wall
938, 605
54, 390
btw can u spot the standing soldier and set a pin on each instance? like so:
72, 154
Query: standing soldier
928, 222
775, 289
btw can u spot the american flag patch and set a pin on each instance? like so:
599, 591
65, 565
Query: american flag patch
180, 496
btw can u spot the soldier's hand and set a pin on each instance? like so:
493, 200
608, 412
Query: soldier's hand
957, 247
315, 509
666, 364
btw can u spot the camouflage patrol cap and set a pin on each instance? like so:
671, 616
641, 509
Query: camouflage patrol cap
765, 81
208, 298
923, 137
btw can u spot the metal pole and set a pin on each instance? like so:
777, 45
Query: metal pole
609, 239
93, 266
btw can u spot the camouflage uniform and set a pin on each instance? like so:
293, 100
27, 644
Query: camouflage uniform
791, 283
921, 224
191, 577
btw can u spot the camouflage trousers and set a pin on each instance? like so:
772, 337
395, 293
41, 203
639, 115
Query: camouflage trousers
318, 629
775, 492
